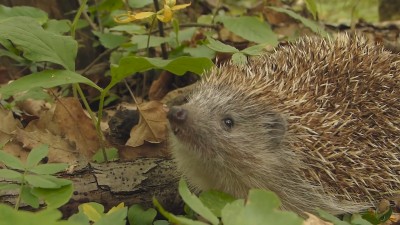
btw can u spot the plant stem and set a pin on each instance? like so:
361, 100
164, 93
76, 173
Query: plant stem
77, 16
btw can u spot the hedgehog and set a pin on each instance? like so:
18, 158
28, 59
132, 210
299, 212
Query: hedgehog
316, 121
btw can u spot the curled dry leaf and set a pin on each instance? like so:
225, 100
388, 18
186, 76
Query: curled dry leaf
152, 125
314, 220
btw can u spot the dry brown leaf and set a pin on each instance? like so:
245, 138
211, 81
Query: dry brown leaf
60, 150
76, 126
152, 125
33, 106
7, 122
314, 220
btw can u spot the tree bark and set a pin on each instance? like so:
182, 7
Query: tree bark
109, 184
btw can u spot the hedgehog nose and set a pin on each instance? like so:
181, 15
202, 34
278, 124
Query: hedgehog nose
177, 114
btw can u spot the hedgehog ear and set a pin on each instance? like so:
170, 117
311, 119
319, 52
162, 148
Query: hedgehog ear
276, 127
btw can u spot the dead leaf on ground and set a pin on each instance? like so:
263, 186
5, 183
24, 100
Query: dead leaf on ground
60, 150
314, 220
76, 126
152, 125
7, 122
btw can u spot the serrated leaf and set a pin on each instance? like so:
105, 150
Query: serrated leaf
40, 181
10, 216
250, 28
45, 79
54, 198
36, 154
219, 46
10, 174
52, 168
133, 64
194, 203
29, 198
215, 200
138, 216
11, 161
37, 44
314, 26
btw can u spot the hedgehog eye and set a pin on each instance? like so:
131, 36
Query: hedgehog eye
228, 123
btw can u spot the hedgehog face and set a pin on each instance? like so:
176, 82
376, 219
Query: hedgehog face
218, 124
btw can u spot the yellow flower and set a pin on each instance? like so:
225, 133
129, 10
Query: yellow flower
164, 15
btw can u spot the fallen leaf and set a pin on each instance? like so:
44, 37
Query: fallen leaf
152, 125
7, 122
60, 150
76, 126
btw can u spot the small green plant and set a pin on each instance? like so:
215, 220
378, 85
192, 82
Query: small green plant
34, 180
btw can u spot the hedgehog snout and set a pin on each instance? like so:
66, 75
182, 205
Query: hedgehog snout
177, 116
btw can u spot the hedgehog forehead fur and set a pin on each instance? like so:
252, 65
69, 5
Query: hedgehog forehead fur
317, 121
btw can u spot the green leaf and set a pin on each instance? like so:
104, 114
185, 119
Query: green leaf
239, 59
161, 222
29, 198
138, 216
261, 207
50, 168
58, 26
215, 200
5, 186
10, 174
254, 50
220, 47
9, 216
36, 154
45, 79
133, 64
117, 217
59, 181
112, 155
37, 44
356, 219
312, 7
40, 181
110, 40
314, 26
330, 218
54, 198
129, 28
200, 51
175, 219
79, 218
141, 41
34, 13
10, 160
139, 4
94, 211
194, 203
250, 28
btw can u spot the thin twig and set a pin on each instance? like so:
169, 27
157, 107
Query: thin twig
215, 27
